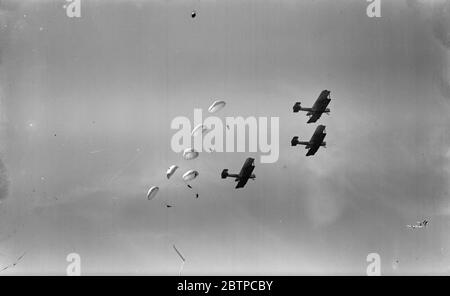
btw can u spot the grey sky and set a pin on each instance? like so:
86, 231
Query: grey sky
113, 80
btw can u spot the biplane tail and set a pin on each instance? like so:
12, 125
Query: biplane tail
224, 173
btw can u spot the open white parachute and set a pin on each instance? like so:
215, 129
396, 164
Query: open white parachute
216, 106
190, 153
152, 192
199, 129
190, 175
171, 170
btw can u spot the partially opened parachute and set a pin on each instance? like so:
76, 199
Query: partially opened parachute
152, 192
171, 171
190, 153
216, 106
199, 129
190, 175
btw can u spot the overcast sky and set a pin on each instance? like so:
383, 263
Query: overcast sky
86, 105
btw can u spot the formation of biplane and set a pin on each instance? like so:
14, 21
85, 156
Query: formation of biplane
314, 113
316, 141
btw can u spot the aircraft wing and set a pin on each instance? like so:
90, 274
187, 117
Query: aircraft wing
319, 134
320, 106
322, 101
241, 183
314, 117
245, 176
316, 140
313, 150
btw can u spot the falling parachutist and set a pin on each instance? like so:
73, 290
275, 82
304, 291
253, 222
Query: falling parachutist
179, 254
182, 258
196, 195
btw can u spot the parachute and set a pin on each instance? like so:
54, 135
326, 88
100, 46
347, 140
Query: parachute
181, 257
171, 171
179, 254
190, 175
152, 192
216, 106
199, 129
190, 153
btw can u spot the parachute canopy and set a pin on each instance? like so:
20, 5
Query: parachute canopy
216, 106
190, 153
171, 171
199, 129
152, 192
190, 175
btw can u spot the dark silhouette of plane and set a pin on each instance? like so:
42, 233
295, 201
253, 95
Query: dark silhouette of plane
419, 224
319, 107
315, 143
244, 175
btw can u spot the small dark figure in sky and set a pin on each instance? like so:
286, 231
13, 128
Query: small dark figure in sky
14, 264
193, 14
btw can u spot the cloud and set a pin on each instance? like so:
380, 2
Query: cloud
441, 23
438, 13
441, 31
4, 181
6, 13
442, 80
